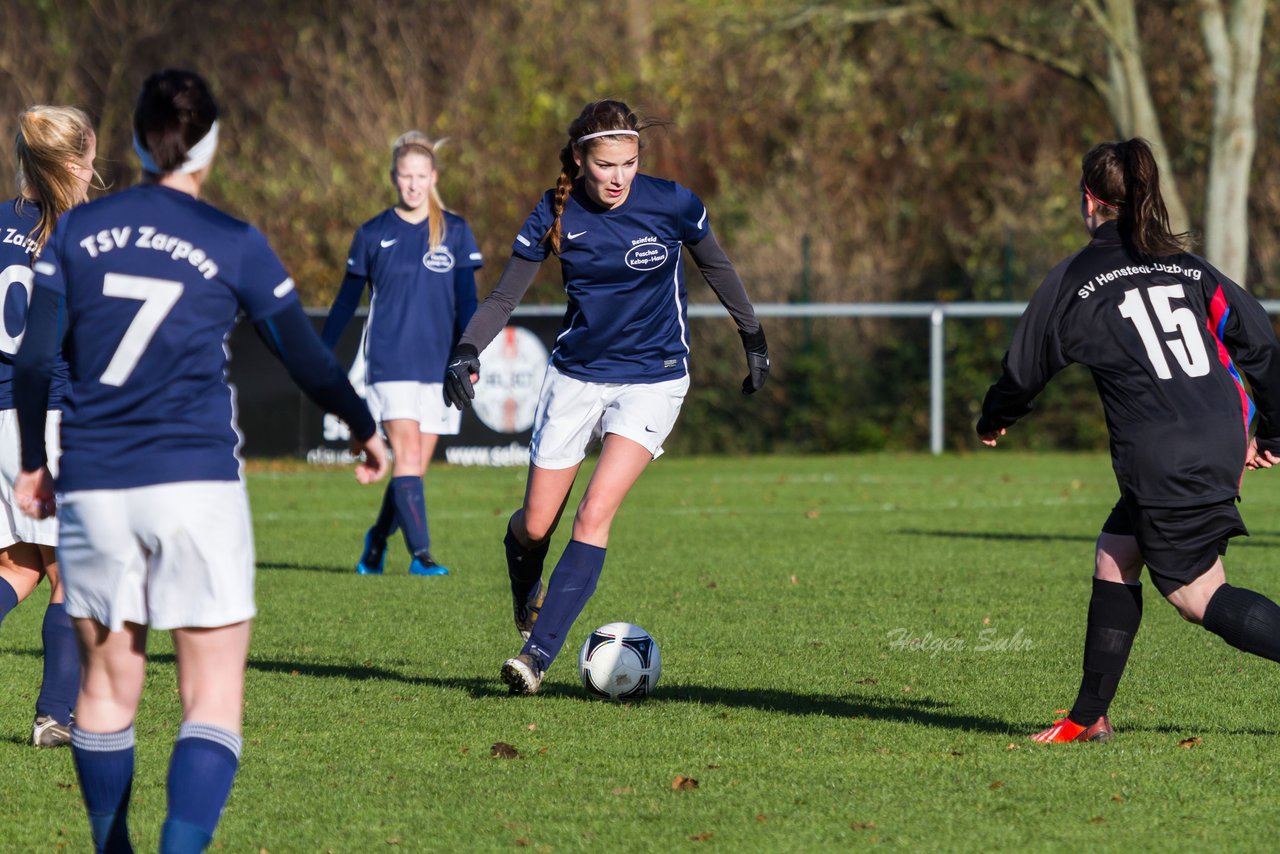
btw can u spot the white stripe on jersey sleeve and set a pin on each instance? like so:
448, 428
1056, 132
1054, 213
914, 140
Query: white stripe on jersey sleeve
523, 240
702, 218
283, 288
44, 268
476, 256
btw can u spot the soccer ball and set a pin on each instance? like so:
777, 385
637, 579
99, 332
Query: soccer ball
619, 662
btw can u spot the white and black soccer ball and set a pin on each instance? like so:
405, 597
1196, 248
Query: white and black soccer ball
619, 661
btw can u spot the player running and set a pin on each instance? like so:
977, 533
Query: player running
619, 370
419, 261
55, 148
146, 285
1167, 337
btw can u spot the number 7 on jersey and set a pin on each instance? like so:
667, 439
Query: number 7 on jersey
158, 297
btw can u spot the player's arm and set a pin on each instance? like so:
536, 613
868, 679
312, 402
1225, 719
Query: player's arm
289, 335
343, 308
484, 326
1034, 356
34, 367
1245, 329
720, 274
464, 300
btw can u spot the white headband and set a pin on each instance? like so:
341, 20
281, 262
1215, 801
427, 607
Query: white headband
198, 156
583, 139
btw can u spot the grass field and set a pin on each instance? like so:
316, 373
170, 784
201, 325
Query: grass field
854, 651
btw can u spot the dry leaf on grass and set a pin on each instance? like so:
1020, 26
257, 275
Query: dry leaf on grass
502, 750
998, 784
868, 681
702, 837
682, 783
863, 825
1188, 743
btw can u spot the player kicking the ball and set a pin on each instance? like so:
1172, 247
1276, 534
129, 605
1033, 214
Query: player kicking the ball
619, 370
1166, 337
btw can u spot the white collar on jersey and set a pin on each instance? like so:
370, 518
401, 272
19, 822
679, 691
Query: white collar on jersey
199, 155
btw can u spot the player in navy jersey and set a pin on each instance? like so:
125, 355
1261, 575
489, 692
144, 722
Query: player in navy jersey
620, 367
1167, 338
145, 286
419, 262
55, 148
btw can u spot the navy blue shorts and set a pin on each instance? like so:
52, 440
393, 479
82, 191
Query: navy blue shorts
1178, 544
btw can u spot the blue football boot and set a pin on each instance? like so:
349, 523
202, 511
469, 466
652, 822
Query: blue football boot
373, 557
422, 564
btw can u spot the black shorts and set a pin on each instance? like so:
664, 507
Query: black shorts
1178, 544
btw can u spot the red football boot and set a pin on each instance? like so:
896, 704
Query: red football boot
1068, 730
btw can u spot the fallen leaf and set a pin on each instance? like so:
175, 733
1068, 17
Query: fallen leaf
295, 672
906, 689
1097, 819
702, 837
812, 514
795, 580
543, 749
1118, 798
683, 783
464, 749
762, 818
531, 727
1188, 743
998, 784
502, 750
863, 825
868, 681
711, 585
393, 840
712, 767
956, 753
1062, 711
623, 790
521, 841
986, 621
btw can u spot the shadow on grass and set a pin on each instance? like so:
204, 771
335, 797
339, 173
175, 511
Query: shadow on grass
999, 535
306, 567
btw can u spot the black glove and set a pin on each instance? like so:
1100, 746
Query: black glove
458, 390
757, 360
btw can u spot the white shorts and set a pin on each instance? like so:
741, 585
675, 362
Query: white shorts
421, 402
173, 555
16, 526
572, 413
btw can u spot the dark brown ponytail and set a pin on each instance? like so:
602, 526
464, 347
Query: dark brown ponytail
1123, 178
596, 117
175, 110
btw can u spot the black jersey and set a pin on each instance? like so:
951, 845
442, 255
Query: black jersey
1164, 339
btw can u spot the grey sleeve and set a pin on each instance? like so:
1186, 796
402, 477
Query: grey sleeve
493, 313
718, 270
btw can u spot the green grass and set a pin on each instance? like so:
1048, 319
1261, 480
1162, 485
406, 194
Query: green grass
775, 588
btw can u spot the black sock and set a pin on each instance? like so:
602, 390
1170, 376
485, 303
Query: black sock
1248, 621
1115, 611
524, 566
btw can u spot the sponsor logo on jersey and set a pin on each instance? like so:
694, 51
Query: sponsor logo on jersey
574, 235
387, 243
440, 261
646, 253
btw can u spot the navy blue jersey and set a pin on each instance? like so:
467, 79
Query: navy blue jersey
627, 317
17, 251
153, 281
414, 305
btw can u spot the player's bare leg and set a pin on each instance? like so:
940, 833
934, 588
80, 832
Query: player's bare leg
211, 665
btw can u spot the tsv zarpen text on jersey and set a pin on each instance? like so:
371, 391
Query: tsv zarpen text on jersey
149, 237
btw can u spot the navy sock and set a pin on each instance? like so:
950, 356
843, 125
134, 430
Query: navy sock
385, 525
8, 599
1115, 612
571, 585
411, 511
61, 666
1248, 621
203, 766
104, 764
524, 566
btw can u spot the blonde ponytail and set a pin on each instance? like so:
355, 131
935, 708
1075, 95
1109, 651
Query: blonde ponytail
48, 139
